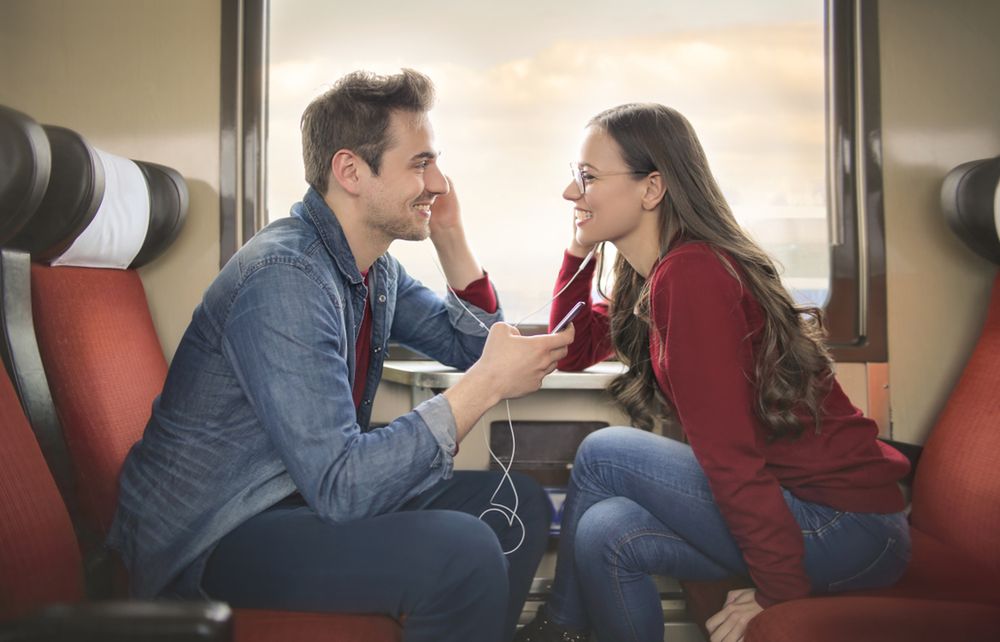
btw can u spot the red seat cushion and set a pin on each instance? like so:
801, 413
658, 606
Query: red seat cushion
281, 626
39, 559
875, 619
956, 493
939, 571
104, 365
936, 572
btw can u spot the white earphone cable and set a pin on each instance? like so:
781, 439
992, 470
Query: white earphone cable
509, 513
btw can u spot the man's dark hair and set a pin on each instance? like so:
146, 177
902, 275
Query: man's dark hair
354, 115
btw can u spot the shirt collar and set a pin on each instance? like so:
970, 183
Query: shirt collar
316, 211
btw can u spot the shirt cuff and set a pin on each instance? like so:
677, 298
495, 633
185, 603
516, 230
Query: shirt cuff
440, 421
480, 293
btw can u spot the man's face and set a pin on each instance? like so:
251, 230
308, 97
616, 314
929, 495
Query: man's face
398, 200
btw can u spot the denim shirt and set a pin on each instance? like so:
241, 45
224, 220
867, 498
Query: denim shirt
257, 403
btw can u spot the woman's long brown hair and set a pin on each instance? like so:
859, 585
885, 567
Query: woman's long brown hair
793, 368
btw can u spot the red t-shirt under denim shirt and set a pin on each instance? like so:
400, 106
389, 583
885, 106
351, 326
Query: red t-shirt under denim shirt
704, 333
479, 293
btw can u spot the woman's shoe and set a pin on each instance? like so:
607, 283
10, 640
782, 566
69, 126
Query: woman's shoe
541, 629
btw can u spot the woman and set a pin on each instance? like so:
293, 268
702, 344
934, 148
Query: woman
783, 482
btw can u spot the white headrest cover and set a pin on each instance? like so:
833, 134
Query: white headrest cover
115, 236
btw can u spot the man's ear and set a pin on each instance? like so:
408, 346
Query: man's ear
345, 167
654, 192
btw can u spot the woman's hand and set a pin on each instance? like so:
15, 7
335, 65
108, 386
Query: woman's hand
729, 624
448, 236
446, 213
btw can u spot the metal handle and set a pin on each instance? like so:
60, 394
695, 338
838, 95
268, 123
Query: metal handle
861, 168
834, 134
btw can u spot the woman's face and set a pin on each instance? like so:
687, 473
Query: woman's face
610, 209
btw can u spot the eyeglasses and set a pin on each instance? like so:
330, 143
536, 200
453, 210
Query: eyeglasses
581, 177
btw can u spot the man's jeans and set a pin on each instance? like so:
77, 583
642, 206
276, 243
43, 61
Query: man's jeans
640, 505
434, 563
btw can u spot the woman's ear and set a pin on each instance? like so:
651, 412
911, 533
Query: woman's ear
654, 192
344, 168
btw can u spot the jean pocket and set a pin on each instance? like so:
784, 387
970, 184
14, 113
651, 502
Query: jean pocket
885, 569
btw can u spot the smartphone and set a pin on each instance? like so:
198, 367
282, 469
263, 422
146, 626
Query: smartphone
569, 317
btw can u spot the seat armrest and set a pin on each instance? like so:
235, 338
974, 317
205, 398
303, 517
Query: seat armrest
124, 621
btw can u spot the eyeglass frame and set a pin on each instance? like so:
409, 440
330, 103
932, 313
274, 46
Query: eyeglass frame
577, 173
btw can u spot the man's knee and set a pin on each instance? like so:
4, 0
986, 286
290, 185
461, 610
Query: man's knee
471, 565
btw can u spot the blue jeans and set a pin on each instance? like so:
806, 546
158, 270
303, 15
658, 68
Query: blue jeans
433, 562
639, 505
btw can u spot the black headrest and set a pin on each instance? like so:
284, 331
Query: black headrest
75, 191
168, 204
25, 162
68, 203
970, 198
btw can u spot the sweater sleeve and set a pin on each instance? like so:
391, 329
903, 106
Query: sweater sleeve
592, 342
706, 368
480, 293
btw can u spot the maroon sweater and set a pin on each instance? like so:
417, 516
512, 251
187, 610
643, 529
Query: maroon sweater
479, 293
705, 331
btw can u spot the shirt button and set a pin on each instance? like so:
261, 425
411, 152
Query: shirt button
367, 402
377, 349
381, 298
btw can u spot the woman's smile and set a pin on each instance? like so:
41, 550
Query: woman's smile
582, 216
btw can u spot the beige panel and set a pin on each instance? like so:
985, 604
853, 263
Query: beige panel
878, 397
853, 379
940, 107
137, 78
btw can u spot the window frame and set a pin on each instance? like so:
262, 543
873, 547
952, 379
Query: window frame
243, 123
856, 308
855, 312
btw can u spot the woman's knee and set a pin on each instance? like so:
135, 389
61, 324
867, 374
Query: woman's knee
617, 537
606, 444
601, 532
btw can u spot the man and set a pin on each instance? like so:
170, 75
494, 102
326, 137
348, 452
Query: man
258, 480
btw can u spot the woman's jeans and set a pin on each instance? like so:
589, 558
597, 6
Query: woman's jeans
432, 562
639, 505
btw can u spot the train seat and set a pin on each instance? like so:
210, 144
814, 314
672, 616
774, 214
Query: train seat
950, 590
85, 359
41, 565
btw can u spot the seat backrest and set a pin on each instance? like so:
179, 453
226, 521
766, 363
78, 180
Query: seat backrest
104, 366
39, 559
79, 206
956, 491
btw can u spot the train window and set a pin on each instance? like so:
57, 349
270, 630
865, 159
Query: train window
769, 87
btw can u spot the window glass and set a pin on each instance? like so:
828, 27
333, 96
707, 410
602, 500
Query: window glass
517, 82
